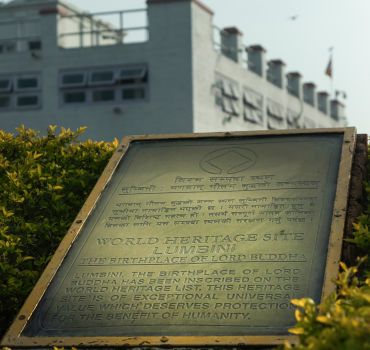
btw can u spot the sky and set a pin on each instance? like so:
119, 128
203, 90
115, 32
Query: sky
303, 44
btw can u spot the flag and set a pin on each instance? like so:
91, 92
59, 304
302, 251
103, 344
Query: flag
329, 68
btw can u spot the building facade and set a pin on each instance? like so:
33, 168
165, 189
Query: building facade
173, 73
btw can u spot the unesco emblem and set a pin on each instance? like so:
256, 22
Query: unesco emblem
230, 160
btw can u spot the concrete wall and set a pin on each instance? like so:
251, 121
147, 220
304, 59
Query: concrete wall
209, 64
168, 107
183, 67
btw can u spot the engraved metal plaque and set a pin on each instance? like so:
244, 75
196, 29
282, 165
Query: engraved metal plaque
203, 239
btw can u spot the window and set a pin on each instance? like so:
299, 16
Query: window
102, 78
110, 85
74, 97
5, 84
133, 74
252, 98
227, 96
27, 83
103, 95
34, 45
293, 119
218, 98
20, 92
253, 106
275, 110
227, 106
275, 115
133, 93
5, 101
230, 90
27, 101
7, 47
234, 91
73, 79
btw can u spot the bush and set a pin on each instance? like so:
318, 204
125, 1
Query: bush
44, 180
342, 320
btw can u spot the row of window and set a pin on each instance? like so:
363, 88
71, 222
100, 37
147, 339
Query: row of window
106, 85
20, 101
77, 96
228, 99
293, 121
20, 92
103, 77
11, 46
19, 83
227, 96
90, 86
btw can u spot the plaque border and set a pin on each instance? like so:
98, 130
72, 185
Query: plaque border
13, 337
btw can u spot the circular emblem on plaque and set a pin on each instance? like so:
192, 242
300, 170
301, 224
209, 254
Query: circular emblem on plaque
230, 160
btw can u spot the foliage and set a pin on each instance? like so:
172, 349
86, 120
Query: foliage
361, 235
44, 181
361, 232
342, 320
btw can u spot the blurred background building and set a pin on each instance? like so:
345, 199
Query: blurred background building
165, 68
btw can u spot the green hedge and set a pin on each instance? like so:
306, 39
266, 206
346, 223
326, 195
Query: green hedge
341, 321
44, 180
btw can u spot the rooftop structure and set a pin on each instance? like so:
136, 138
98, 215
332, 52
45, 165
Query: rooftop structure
161, 69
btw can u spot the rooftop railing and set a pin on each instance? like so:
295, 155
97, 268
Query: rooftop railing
103, 28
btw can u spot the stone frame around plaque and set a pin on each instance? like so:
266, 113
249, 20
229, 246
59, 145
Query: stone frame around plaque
14, 338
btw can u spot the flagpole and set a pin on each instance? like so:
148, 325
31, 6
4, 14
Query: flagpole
331, 87
329, 71
331, 75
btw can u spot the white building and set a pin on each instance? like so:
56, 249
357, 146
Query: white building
162, 69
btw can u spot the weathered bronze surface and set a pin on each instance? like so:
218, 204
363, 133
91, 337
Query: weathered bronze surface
201, 239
